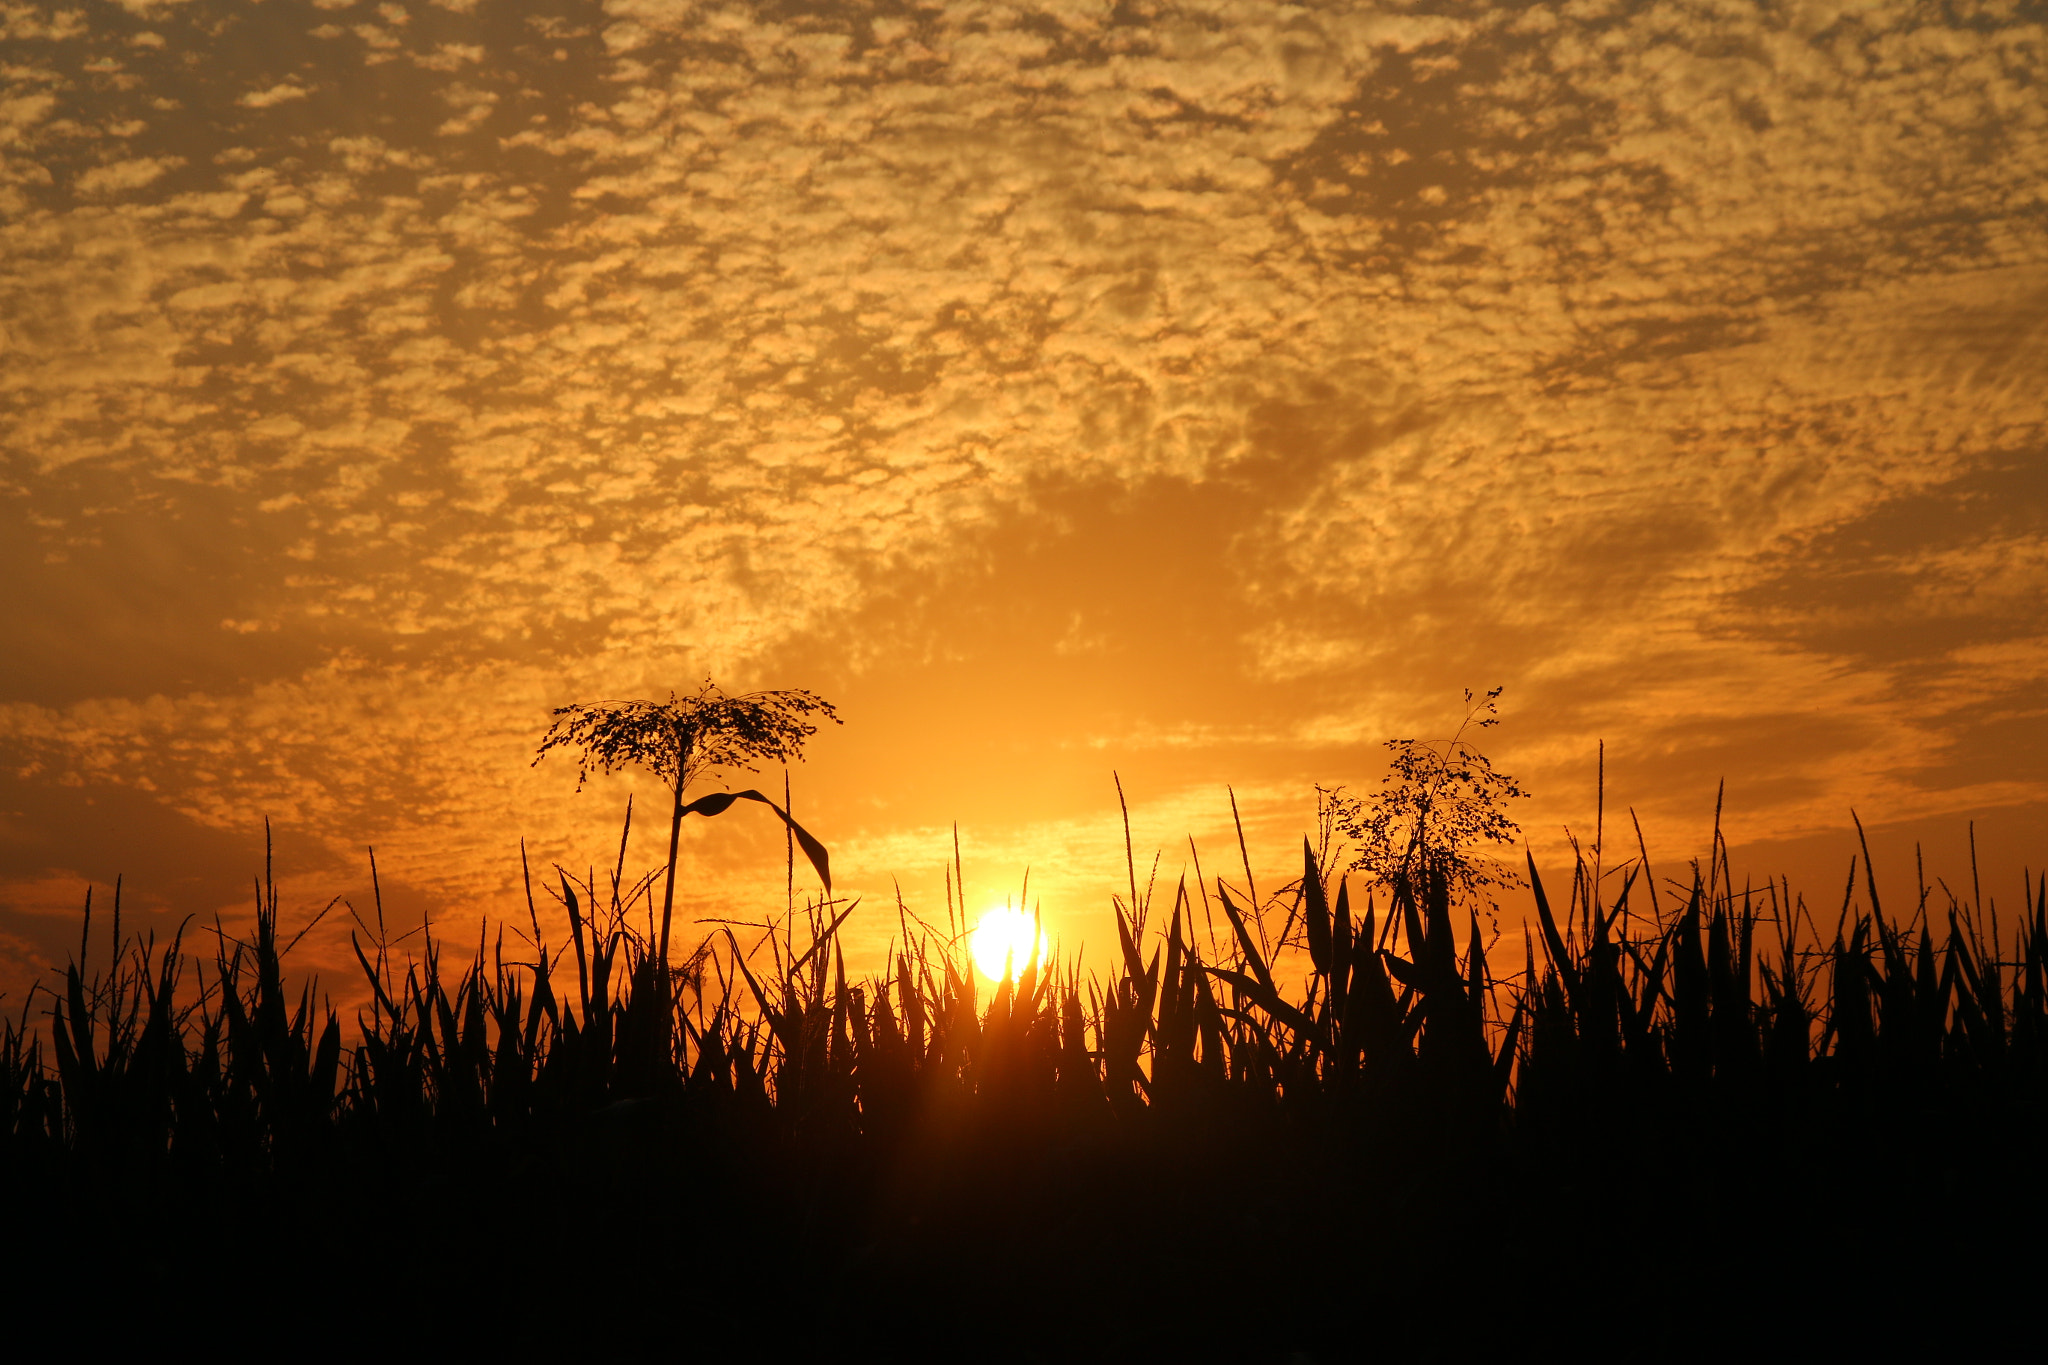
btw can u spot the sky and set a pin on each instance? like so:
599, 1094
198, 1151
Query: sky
1191, 396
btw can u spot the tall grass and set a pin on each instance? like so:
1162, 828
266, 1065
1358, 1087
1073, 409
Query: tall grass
1671, 1077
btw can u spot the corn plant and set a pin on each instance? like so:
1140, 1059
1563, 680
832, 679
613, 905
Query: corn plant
682, 739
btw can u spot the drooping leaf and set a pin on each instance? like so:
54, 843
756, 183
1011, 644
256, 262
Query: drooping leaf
719, 802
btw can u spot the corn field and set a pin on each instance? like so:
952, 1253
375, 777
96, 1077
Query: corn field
1285, 1127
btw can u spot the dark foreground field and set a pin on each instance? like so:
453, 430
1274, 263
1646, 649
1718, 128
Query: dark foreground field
1699, 1120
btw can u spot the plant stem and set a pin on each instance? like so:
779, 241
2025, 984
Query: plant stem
675, 834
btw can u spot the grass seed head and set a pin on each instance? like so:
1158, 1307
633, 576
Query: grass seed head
681, 738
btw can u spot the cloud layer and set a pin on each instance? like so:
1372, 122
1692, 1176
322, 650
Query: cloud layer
1210, 389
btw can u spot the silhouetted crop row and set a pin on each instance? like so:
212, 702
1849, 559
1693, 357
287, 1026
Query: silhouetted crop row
1374, 1107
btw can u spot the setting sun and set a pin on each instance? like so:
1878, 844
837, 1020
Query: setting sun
1003, 943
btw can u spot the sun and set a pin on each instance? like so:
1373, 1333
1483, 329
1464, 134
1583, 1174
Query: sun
1003, 943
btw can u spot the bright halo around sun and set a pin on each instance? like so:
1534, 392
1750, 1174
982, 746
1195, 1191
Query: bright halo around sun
1003, 942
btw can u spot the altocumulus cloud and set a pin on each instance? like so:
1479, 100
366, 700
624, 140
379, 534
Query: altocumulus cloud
494, 356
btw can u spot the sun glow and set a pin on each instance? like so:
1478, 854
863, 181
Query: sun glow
1007, 941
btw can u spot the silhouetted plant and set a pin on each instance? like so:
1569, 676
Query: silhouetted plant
1441, 803
680, 740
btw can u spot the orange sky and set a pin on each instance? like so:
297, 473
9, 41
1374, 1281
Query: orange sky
1203, 392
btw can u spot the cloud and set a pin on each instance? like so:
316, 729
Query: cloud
276, 94
119, 176
1550, 346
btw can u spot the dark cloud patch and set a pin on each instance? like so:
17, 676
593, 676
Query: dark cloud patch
1911, 579
169, 864
131, 599
1441, 142
127, 586
1995, 345
1415, 554
1645, 343
1769, 760
1434, 136
2003, 737
1293, 443
58, 840
291, 84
